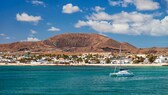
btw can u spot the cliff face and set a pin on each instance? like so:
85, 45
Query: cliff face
73, 42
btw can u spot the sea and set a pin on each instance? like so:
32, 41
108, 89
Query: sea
81, 80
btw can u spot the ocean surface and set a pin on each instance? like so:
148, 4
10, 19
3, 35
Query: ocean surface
81, 80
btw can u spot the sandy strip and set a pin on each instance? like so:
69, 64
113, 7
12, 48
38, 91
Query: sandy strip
123, 65
23, 64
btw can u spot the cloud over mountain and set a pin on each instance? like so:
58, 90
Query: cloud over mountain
31, 39
133, 23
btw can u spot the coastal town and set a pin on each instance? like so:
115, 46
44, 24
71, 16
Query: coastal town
84, 47
106, 58
81, 49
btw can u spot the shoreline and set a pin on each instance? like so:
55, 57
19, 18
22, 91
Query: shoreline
23, 64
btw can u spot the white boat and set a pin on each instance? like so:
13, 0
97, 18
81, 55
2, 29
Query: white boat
121, 72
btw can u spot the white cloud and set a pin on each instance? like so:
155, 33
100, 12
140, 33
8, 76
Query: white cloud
132, 23
27, 18
104, 26
140, 5
98, 9
37, 2
99, 16
2, 34
69, 8
146, 5
121, 17
114, 3
53, 29
31, 39
123, 3
33, 31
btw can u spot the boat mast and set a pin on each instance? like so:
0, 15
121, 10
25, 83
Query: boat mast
120, 57
119, 60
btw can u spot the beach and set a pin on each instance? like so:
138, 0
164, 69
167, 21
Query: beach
72, 64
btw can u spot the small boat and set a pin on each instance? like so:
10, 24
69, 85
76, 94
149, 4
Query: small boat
122, 72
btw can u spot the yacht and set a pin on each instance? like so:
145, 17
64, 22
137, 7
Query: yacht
121, 72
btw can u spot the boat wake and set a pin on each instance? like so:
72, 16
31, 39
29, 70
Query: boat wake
139, 78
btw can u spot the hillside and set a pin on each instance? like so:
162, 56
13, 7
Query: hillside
154, 50
79, 42
73, 42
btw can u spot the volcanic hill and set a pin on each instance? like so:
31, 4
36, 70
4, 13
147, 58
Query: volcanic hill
71, 42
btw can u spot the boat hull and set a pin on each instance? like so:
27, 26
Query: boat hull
121, 75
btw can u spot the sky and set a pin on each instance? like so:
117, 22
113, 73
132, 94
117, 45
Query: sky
142, 23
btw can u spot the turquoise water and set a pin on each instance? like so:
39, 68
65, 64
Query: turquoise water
81, 80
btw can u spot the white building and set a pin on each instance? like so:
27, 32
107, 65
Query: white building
146, 61
141, 55
161, 59
127, 61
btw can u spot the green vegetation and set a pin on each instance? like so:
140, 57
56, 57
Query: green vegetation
48, 59
86, 61
151, 58
74, 56
65, 56
25, 60
107, 60
89, 56
138, 60
97, 61
79, 60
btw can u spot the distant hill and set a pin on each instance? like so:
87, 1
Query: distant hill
72, 42
154, 50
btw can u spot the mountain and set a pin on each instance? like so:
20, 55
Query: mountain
72, 42
80, 42
69, 42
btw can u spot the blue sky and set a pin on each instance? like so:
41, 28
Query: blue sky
142, 23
